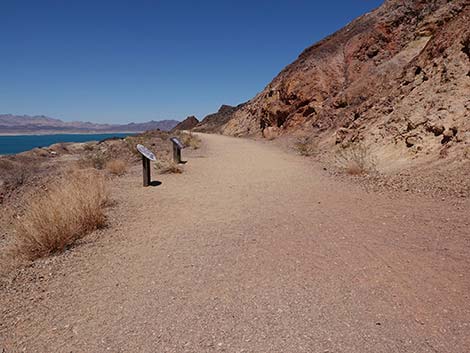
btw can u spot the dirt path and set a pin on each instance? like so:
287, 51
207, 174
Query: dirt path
253, 250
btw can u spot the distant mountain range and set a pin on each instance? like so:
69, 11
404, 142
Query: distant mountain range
40, 124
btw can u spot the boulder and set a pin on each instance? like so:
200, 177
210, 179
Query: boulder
447, 136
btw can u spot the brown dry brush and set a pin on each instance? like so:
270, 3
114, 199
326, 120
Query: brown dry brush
356, 160
306, 146
189, 139
15, 174
116, 167
167, 166
72, 207
95, 160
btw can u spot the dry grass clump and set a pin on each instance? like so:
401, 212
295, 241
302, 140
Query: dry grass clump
116, 167
72, 207
89, 147
95, 160
133, 141
305, 146
15, 174
167, 166
98, 160
190, 140
356, 160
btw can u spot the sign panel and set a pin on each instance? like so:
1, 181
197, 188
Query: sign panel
146, 153
177, 142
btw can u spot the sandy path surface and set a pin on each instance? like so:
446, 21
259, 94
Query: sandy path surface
253, 250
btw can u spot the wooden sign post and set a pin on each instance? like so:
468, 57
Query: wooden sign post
147, 156
177, 147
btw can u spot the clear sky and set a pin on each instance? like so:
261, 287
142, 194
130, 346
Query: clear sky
120, 61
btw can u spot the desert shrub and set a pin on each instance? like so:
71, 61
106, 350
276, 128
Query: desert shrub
6, 165
98, 160
190, 140
116, 167
355, 160
132, 142
71, 208
167, 166
93, 160
15, 174
305, 146
89, 146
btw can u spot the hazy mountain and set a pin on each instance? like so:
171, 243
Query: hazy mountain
25, 124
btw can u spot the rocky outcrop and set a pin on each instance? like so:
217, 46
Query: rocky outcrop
187, 124
396, 77
215, 122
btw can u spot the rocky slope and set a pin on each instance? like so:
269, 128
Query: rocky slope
397, 79
25, 124
215, 122
187, 124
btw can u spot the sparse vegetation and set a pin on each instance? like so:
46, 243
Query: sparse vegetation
305, 146
95, 160
167, 166
356, 160
98, 160
71, 208
190, 140
116, 167
89, 146
133, 141
15, 174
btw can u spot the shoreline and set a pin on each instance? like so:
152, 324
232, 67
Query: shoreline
51, 139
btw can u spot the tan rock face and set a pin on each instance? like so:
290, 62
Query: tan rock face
395, 76
187, 124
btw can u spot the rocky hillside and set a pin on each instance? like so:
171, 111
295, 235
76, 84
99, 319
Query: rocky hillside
397, 79
25, 124
215, 122
187, 124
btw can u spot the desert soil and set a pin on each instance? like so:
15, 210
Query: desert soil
252, 250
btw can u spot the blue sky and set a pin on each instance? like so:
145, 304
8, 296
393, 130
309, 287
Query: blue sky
120, 61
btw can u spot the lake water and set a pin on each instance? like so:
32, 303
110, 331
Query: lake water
21, 143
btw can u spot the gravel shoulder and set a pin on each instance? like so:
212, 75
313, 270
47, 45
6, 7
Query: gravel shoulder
252, 250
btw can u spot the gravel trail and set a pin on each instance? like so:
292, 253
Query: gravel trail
252, 249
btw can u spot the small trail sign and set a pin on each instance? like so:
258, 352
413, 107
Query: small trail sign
146, 152
147, 156
177, 147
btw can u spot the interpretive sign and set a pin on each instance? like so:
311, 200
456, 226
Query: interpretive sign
147, 156
177, 142
177, 146
146, 152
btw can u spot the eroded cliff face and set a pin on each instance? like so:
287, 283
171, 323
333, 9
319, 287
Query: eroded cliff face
398, 77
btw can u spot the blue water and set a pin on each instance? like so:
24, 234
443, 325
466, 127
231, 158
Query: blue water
21, 143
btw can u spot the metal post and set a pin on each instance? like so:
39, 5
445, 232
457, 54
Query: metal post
146, 170
176, 153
